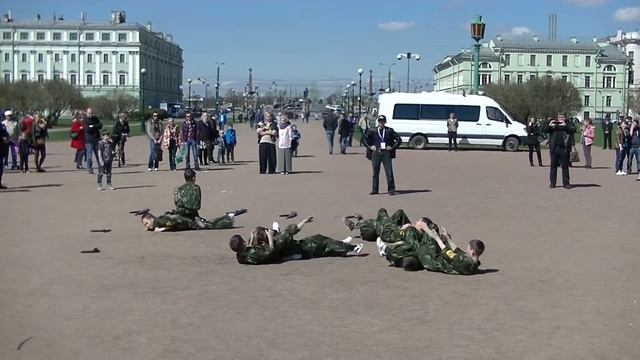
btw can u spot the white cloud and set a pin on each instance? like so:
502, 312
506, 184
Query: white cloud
518, 31
586, 2
395, 25
627, 14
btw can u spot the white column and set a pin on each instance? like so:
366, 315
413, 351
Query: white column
130, 76
98, 77
81, 77
65, 67
16, 75
32, 55
49, 66
114, 74
136, 69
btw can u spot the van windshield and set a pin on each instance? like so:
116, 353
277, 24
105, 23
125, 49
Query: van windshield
496, 114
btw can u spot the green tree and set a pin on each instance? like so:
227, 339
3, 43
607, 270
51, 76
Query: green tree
633, 102
59, 96
110, 105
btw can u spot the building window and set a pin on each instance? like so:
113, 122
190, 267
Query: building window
122, 58
73, 79
564, 78
7, 78
608, 101
105, 79
532, 60
6, 36
73, 36
520, 59
56, 77
122, 79
56, 57
519, 79
73, 58
587, 61
565, 58
40, 58
485, 65
532, 77
89, 36
586, 100
507, 78
24, 36
485, 79
7, 57
122, 37
24, 77
507, 59
23, 57
89, 79
609, 82
40, 77
105, 58
586, 115
40, 36
89, 58
105, 36
549, 60
57, 36
587, 81
630, 77
610, 68
576, 60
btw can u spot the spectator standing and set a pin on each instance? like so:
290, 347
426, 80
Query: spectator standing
285, 136
344, 130
222, 145
230, 140
295, 140
77, 138
607, 129
4, 148
560, 134
267, 134
120, 134
154, 134
352, 128
588, 134
11, 126
533, 131
40, 135
452, 131
206, 136
170, 140
381, 144
106, 154
330, 124
623, 145
364, 127
92, 127
190, 137
26, 142
634, 151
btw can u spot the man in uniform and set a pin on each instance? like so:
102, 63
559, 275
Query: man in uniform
283, 247
188, 197
176, 222
383, 226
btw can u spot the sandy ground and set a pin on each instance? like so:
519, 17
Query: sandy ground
561, 279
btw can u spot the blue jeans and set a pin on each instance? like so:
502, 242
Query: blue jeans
153, 160
344, 143
192, 147
633, 152
89, 149
330, 136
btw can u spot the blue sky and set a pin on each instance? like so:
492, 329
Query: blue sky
324, 42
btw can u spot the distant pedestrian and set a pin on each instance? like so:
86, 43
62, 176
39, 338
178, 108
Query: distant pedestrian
295, 140
634, 151
285, 136
352, 127
560, 145
267, 136
222, 145
171, 141
189, 136
230, 140
11, 125
344, 130
588, 134
154, 134
623, 145
92, 127
206, 136
452, 131
119, 135
106, 154
363, 124
533, 131
40, 135
330, 124
77, 138
26, 142
607, 130
4, 149
381, 144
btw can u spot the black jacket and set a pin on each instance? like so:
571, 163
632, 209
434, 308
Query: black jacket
607, 127
119, 129
330, 121
564, 132
391, 139
92, 133
345, 126
206, 132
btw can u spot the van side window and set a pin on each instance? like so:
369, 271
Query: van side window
495, 114
406, 111
434, 112
466, 112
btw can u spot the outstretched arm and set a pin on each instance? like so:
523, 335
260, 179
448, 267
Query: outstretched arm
304, 221
270, 237
447, 237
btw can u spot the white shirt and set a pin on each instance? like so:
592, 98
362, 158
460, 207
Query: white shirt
284, 137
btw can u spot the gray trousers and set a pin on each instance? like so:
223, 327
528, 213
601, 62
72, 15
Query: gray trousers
284, 160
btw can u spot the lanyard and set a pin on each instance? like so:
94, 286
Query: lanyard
381, 135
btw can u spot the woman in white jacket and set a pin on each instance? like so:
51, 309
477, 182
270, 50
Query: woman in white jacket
285, 135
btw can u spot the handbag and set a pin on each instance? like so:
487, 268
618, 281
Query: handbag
180, 154
158, 153
74, 135
574, 156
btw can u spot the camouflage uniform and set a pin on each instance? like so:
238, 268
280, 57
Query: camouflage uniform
187, 199
383, 226
176, 222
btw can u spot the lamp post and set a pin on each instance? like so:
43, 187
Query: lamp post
353, 96
388, 73
477, 34
218, 83
275, 85
346, 94
143, 72
233, 105
189, 98
409, 56
360, 71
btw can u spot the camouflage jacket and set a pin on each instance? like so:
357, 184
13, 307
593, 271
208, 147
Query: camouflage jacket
187, 200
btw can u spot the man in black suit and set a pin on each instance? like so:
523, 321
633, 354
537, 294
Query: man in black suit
381, 143
560, 143
607, 128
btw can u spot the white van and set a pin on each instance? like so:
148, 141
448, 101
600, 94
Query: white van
421, 119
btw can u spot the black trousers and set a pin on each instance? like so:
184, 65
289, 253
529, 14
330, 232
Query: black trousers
453, 139
559, 156
383, 157
267, 157
607, 141
536, 148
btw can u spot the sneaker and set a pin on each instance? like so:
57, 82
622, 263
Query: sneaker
110, 187
200, 223
623, 173
275, 226
618, 173
358, 248
347, 240
638, 179
382, 247
149, 169
239, 212
99, 188
348, 223
155, 169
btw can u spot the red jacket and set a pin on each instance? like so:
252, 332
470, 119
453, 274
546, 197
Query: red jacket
78, 141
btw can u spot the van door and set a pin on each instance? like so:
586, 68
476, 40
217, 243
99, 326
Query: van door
496, 126
470, 128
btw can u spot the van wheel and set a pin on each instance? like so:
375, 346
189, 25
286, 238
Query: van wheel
511, 144
418, 142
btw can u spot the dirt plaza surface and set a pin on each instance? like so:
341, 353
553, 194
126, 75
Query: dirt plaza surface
559, 281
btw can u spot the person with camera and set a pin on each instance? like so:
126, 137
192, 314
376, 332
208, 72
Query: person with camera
533, 131
119, 135
381, 144
560, 143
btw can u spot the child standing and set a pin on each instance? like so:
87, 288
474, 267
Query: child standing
221, 145
295, 140
106, 154
230, 141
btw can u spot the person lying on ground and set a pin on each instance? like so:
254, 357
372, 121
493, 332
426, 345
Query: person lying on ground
383, 226
177, 222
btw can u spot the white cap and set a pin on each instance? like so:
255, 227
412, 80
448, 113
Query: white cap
8, 113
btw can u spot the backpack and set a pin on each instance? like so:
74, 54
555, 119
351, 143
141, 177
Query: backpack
230, 136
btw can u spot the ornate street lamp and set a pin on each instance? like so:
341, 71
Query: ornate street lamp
360, 71
353, 96
409, 56
189, 98
477, 34
346, 91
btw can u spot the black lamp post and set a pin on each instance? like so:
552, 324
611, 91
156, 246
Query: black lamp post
409, 56
353, 96
388, 73
233, 105
346, 94
218, 84
143, 72
189, 98
360, 71
477, 34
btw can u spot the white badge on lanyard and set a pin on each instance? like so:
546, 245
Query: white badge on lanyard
383, 145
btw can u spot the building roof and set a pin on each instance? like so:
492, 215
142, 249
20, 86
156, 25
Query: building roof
486, 54
612, 54
542, 45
